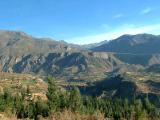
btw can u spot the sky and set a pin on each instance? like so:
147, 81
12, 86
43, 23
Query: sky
81, 21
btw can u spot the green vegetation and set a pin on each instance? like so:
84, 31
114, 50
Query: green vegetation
60, 100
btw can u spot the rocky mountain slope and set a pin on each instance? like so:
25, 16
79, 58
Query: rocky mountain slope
133, 44
141, 49
93, 45
15, 43
139, 59
22, 53
64, 63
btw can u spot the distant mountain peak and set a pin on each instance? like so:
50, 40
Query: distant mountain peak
140, 43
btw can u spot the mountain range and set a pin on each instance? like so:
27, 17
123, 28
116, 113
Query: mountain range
140, 49
22, 53
135, 57
133, 44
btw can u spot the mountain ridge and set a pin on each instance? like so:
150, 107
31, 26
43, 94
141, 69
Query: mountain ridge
135, 44
23, 53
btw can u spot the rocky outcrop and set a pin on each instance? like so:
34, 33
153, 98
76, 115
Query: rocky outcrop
62, 63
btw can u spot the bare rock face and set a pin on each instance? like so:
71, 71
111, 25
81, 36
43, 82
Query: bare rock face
59, 63
22, 53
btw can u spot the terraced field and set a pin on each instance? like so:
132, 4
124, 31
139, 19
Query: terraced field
19, 82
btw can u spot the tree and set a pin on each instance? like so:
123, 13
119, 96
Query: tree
41, 108
139, 112
75, 99
52, 94
28, 90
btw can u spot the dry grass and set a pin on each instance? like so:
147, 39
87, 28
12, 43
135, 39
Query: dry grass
7, 116
16, 82
68, 115
65, 115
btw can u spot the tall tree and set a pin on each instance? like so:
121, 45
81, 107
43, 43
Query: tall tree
75, 99
52, 94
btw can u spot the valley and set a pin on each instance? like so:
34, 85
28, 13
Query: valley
106, 75
79, 60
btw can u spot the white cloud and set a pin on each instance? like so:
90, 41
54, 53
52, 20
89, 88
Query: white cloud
105, 26
121, 30
118, 15
146, 10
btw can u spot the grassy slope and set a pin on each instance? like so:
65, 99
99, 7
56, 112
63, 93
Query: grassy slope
17, 82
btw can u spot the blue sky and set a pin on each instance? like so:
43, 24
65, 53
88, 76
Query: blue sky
81, 21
